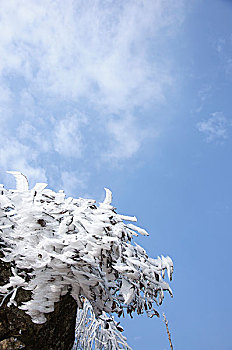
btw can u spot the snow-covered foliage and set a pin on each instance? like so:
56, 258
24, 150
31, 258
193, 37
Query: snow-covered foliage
97, 333
60, 245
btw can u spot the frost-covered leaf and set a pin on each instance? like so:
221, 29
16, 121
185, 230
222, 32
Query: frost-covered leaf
61, 245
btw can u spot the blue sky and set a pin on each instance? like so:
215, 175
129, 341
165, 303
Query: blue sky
134, 96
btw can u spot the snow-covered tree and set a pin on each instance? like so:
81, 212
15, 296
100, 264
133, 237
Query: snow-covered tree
58, 246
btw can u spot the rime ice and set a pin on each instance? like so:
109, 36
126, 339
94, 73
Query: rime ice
61, 245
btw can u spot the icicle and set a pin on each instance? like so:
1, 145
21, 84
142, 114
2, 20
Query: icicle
97, 333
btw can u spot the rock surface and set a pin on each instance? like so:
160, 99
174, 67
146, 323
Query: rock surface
17, 331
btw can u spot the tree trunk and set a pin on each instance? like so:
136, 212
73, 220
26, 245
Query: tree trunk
17, 331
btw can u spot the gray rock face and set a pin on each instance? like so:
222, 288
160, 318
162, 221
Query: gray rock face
17, 331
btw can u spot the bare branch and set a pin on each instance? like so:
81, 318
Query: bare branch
168, 332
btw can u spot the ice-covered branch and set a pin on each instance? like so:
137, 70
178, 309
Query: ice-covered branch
98, 333
60, 245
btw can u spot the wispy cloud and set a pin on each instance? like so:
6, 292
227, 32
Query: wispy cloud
214, 128
127, 137
79, 48
16, 156
224, 49
101, 60
203, 94
34, 137
67, 136
74, 181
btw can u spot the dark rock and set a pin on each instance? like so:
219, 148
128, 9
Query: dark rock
17, 331
11, 344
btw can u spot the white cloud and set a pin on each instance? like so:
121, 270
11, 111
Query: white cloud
27, 132
126, 138
223, 48
203, 94
67, 136
5, 102
60, 135
214, 128
16, 156
95, 48
73, 182
102, 58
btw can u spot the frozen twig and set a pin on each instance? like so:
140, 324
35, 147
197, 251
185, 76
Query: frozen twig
98, 333
168, 332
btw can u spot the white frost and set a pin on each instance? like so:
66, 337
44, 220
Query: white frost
61, 245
